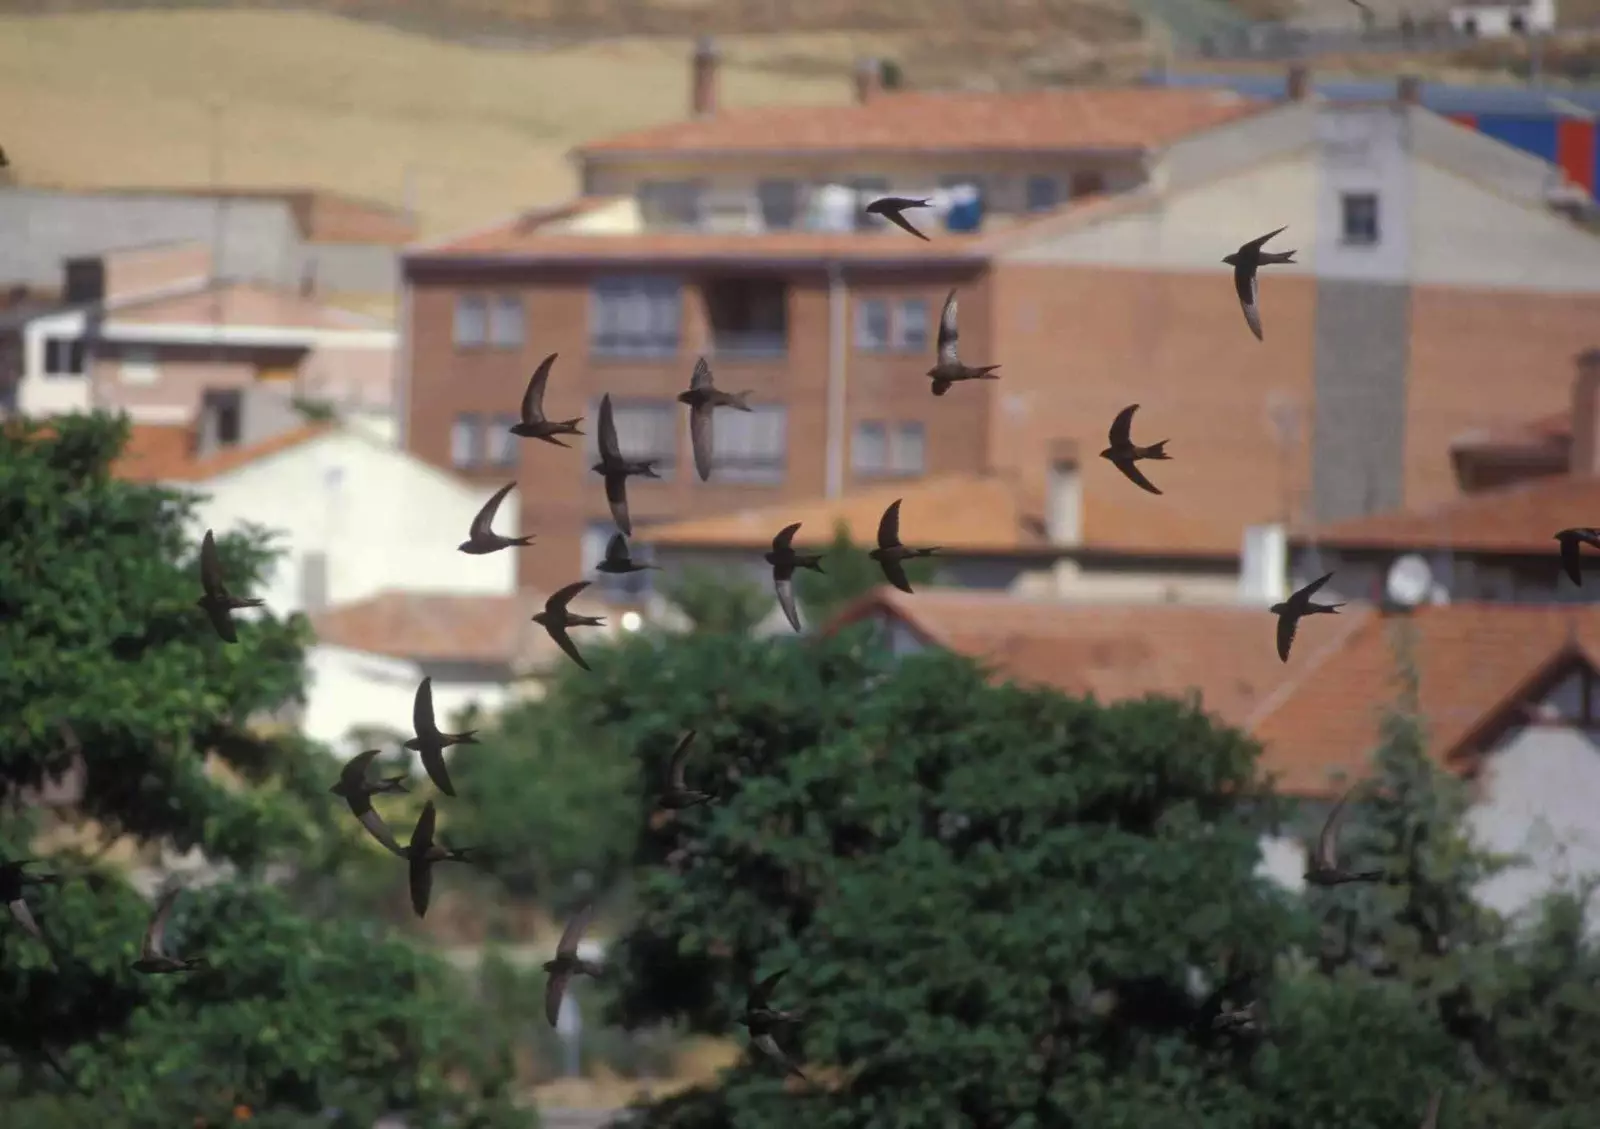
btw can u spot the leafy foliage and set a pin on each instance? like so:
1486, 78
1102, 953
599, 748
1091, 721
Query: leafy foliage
719, 601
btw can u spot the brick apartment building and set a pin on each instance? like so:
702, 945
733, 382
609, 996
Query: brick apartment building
1084, 230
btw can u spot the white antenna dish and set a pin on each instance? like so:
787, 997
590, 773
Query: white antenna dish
1410, 580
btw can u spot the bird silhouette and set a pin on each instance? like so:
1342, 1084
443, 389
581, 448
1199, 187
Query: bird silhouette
617, 561
14, 881
567, 963
556, 619
703, 398
890, 554
422, 852
1297, 605
784, 560
678, 794
218, 604
153, 958
948, 368
1124, 453
1244, 262
358, 791
892, 208
1572, 541
431, 743
534, 424
616, 470
763, 1021
1323, 869
481, 538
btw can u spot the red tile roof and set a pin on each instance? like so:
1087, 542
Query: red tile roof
435, 626
166, 452
925, 121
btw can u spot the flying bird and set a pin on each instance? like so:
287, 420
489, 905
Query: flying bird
423, 852
218, 603
703, 398
784, 560
616, 470
891, 209
1124, 453
153, 956
358, 791
949, 368
567, 963
1572, 541
14, 880
481, 538
617, 560
555, 619
678, 794
534, 424
890, 554
430, 742
762, 1020
1323, 867
1244, 262
1297, 605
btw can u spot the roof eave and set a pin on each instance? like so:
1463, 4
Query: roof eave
619, 155
518, 261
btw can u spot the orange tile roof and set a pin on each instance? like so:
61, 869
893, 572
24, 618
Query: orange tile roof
1473, 662
1521, 518
241, 304
931, 121
166, 452
437, 626
964, 512
1113, 651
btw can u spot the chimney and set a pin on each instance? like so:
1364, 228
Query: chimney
1585, 456
1298, 82
1408, 89
703, 78
869, 78
1264, 564
1063, 520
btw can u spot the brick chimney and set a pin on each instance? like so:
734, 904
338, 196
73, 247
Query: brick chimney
869, 78
1063, 519
1585, 457
1297, 84
703, 78
1408, 89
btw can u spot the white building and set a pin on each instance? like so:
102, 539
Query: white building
1495, 19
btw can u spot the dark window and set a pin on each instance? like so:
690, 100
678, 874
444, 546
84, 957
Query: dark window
63, 356
751, 446
670, 203
1360, 219
471, 320
1044, 193
229, 421
749, 316
466, 440
780, 203
635, 317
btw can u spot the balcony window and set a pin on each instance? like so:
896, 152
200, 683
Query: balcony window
751, 446
670, 203
646, 430
780, 204
471, 328
749, 317
635, 316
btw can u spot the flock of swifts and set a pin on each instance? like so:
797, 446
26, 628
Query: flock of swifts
615, 468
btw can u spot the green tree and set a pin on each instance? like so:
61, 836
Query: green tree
109, 665
720, 601
850, 574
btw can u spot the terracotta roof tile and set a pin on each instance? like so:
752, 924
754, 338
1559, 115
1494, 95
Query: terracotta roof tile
1520, 518
926, 121
962, 512
1471, 659
166, 453
1113, 651
436, 626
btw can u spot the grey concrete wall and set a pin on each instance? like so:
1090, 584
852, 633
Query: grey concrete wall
352, 268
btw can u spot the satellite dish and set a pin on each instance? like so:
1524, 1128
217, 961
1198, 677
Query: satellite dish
1410, 580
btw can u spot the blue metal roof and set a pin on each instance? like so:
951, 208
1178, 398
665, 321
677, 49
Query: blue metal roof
1437, 96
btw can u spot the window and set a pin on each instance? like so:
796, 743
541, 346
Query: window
635, 317
505, 321
63, 356
466, 440
750, 446
229, 413
898, 328
646, 429
907, 455
502, 444
1360, 219
869, 450
880, 449
1044, 193
313, 581
1087, 184
139, 366
749, 316
872, 325
669, 203
780, 203
472, 320
912, 331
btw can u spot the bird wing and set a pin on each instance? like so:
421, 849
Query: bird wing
211, 567
533, 398
617, 498
762, 992
617, 550
1257, 244
422, 834
610, 450
889, 526
1570, 553
421, 884
379, 830
155, 933
1249, 288
948, 335
1122, 426
784, 585
702, 375
1287, 622
559, 600
895, 573
222, 623
558, 632
1328, 840
573, 933
355, 769
1303, 597
483, 520
769, 1047
700, 438
433, 765
1136, 476
422, 710
680, 757
24, 916
554, 989
895, 217
784, 541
